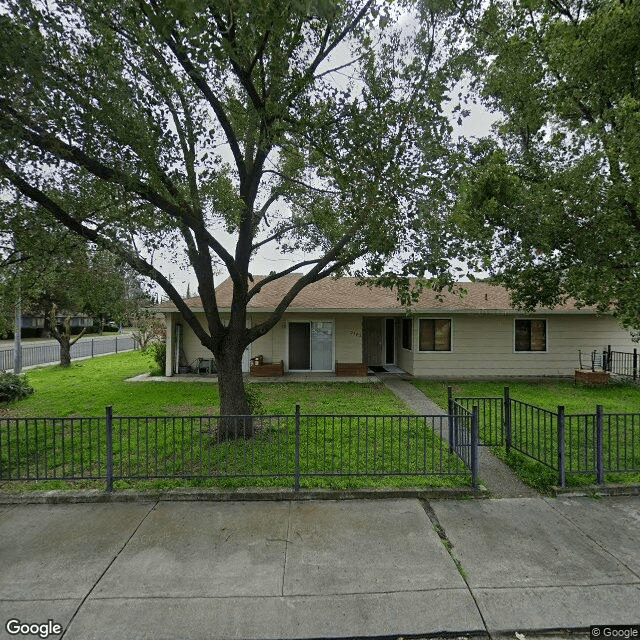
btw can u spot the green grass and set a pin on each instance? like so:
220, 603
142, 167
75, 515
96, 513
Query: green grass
621, 397
88, 386
618, 397
180, 447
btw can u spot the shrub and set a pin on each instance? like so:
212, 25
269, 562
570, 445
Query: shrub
157, 351
13, 387
253, 399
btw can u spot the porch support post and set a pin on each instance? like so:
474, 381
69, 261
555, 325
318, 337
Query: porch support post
169, 343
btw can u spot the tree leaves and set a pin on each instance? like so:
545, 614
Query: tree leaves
559, 188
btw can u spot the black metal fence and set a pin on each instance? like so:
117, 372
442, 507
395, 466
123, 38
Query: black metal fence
463, 436
621, 363
490, 417
47, 353
570, 444
293, 447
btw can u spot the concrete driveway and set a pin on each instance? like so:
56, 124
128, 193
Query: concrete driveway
320, 569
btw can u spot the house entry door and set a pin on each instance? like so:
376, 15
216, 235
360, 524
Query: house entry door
299, 342
372, 341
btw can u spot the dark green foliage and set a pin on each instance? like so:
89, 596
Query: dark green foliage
157, 351
554, 195
13, 387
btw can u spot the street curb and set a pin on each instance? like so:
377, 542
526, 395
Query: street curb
597, 490
215, 495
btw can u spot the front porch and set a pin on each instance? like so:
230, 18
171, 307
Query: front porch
310, 376
300, 347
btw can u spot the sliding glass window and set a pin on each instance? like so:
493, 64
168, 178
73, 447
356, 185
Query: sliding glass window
435, 335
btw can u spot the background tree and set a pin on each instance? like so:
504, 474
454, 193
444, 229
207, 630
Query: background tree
120, 295
556, 192
59, 276
148, 327
220, 129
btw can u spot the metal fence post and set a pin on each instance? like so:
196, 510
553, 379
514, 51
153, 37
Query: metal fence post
608, 357
562, 479
635, 364
450, 419
507, 419
296, 486
116, 344
474, 446
92, 347
109, 422
599, 445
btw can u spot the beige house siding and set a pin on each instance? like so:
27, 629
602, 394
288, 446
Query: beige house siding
273, 346
347, 336
348, 331
405, 359
483, 346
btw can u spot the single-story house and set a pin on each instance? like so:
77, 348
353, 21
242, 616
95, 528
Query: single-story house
337, 322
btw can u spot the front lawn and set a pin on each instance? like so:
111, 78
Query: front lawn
618, 397
88, 386
184, 446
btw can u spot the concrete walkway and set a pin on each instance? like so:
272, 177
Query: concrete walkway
347, 569
288, 377
494, 474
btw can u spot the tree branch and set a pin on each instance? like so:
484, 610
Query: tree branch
76, 156
200, 82
279, 234
276, 276
139, 264
313, 275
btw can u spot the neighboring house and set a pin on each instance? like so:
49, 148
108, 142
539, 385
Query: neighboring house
37, 322
336, 322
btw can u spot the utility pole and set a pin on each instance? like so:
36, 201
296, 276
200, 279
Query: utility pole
17, 332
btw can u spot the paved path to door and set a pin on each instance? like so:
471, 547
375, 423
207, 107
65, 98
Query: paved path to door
320, 569
494, 474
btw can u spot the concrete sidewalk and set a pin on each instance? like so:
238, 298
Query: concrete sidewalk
321, 569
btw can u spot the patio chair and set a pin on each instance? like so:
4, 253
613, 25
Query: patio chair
206, 366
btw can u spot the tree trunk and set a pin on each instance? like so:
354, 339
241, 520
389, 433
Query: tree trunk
233, 398
63, 337
65, 350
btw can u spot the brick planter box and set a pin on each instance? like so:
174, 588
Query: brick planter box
351, 369
267, 370
592, 378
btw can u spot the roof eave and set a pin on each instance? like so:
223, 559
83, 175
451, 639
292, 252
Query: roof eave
402, 311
